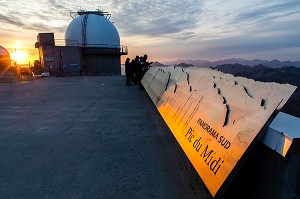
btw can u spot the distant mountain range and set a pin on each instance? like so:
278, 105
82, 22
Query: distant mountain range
272, 64
157, 64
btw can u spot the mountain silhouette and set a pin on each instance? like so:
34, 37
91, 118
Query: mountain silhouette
204, 63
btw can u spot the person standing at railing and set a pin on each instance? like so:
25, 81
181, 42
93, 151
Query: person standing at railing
128, 71
146, 65
135, 66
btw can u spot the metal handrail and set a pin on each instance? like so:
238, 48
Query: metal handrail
62, 42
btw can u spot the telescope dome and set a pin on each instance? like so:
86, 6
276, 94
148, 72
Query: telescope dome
92, 30
4, 58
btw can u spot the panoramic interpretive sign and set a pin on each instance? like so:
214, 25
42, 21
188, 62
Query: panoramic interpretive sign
215, 117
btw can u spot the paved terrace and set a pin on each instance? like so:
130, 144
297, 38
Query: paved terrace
88, 137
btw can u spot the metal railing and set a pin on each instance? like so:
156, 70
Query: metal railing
120, 49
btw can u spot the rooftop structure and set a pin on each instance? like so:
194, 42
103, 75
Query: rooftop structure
96, 12
92, 29
4, 59
92, 47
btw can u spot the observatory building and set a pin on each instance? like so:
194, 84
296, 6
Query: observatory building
92, 47
4, 59
8, 74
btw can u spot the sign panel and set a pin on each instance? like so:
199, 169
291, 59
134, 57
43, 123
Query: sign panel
49, 59
214, 116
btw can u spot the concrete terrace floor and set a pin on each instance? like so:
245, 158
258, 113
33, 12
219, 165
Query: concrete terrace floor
88, 137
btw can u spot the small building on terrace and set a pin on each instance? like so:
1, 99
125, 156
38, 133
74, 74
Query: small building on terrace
91, 47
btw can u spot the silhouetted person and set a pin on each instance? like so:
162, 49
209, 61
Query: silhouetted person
137, 70
140, 66
147, 64
132, 63
144, 68
128, 71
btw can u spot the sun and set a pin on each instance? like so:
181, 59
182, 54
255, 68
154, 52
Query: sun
19, 56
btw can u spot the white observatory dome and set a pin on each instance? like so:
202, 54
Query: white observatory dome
4, 58
92, 30
3, 51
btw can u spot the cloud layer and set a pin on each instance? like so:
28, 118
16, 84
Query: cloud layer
183, 28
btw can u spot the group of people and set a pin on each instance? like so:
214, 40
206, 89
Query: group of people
135, 69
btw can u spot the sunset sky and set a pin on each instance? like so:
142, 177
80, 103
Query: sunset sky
166, 30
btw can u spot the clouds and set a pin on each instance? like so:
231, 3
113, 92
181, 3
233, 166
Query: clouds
269, 11
264, 26
156, 18
10, 20
33, 15
188, 28
246, 31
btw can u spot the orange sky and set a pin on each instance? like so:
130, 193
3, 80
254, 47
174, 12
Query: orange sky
168, 31
21, 51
